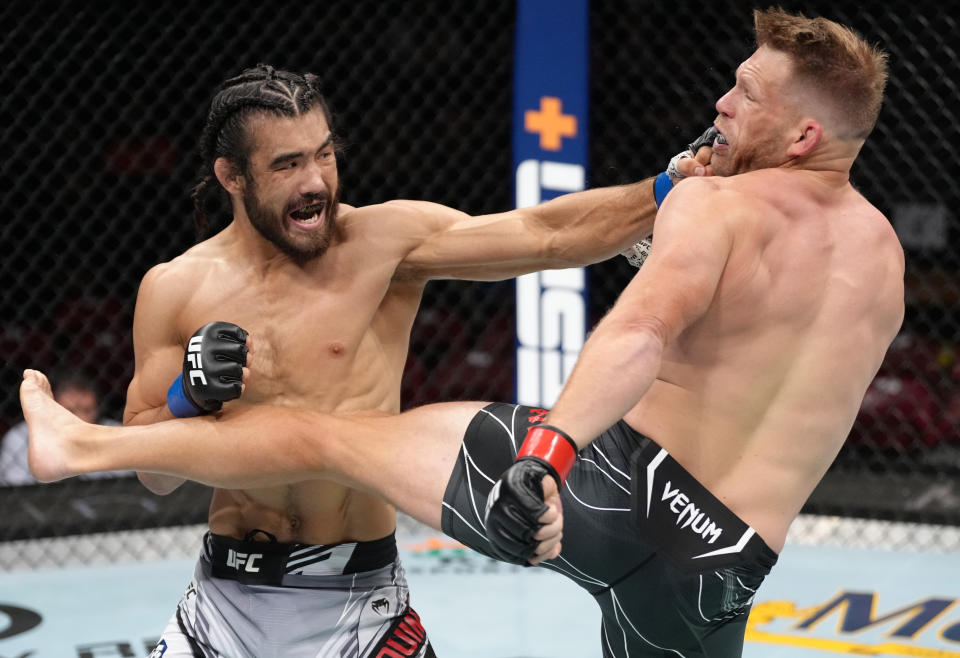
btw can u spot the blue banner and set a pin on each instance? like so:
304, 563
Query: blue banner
549, 159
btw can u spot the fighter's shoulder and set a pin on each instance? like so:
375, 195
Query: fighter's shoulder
883, 235
710, 190
400, 211
880, 223
184, 265
714, 199
878, 261
174, 279
406, 220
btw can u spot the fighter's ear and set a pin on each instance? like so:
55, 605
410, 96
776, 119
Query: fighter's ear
806, 138
229, 176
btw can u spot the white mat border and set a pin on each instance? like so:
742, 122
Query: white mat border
183, 542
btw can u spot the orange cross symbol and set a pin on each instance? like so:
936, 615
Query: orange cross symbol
550, 122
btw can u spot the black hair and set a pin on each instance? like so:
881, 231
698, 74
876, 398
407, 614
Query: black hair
262, 89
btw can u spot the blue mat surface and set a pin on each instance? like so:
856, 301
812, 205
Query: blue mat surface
818, 602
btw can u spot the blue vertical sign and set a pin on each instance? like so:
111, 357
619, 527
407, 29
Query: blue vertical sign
549, 158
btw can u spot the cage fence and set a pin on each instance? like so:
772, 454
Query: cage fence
101, 118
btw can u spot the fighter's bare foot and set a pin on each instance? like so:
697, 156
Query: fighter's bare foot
50, 426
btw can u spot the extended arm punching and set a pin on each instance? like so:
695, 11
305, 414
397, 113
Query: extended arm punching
570, 231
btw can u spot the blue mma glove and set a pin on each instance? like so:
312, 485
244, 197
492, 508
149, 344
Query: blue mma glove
212, 370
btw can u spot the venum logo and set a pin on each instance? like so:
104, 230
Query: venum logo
243, 561
194, 358
690, 515
381, 606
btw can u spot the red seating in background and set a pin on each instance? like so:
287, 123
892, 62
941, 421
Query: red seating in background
449, 362
94, 334
903, 406
897, 410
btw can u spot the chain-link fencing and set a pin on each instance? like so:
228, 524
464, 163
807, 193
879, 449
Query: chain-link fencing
657, 72
101, 114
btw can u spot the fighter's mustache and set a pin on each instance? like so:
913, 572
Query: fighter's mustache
308, 204
308, 200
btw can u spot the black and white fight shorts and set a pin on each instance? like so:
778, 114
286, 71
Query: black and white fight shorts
673, 570
257, 599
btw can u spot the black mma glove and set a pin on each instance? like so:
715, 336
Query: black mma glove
706, 139
515, 503
212, 370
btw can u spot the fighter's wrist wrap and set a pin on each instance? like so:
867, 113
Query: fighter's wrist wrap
552, 447
637, 254
179, 402
664, 182
661, 185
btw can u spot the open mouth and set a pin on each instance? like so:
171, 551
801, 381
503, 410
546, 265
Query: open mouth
720, 140
308, 215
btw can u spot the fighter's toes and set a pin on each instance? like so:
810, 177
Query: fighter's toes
37, 379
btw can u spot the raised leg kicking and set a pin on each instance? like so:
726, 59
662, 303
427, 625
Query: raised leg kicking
407, 458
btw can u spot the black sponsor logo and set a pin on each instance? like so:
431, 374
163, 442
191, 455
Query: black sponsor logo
18, 620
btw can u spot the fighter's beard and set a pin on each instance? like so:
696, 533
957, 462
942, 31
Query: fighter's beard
272, 227
766, 153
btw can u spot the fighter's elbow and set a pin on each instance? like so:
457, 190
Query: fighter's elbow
647, 330
161, 485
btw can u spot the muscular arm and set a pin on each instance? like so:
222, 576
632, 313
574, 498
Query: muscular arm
158, 356
569, 231
671, 291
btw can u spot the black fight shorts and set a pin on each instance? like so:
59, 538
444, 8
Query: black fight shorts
673, 570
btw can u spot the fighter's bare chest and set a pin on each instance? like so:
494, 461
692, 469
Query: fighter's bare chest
302, 341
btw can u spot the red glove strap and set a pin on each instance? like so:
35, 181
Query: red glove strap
552, 446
